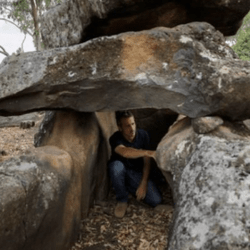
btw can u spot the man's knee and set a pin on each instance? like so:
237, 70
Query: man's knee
157, 199
116, 167
154, 197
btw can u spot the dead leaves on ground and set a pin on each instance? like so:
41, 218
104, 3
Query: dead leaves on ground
142, 228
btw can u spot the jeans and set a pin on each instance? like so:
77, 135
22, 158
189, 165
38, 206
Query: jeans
125, 180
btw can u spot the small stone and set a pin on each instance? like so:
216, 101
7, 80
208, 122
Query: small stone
204, 125
27, 124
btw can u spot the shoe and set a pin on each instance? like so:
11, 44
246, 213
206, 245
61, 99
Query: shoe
120, 209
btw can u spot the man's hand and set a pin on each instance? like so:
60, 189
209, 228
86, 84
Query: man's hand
141, 191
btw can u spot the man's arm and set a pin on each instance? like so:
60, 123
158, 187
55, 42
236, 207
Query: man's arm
142, 189
133, 153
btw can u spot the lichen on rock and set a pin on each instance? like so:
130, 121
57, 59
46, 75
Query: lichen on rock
211, 189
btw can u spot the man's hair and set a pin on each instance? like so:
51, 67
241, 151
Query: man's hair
121, 114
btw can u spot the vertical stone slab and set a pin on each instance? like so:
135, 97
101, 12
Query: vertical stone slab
211, 185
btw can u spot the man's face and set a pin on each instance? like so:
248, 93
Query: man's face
128, 128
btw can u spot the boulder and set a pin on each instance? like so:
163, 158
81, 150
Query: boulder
15, 121
27, 124
47, 192
188, 69
37, 195
203, 125
210, 186
85, 137
72, 22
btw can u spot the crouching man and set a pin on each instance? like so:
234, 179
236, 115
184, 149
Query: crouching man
129, 166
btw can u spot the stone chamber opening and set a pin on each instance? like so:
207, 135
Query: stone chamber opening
142, 227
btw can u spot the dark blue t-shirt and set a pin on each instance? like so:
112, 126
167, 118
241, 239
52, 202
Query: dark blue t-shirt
141, 141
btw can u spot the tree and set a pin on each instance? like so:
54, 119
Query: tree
26, 15
3, 51
242, 46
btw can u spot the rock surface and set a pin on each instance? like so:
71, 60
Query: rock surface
210, 186
35, 193
85, 137
74, 21
188, 69
203, 125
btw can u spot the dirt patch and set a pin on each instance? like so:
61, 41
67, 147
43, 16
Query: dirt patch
16, 141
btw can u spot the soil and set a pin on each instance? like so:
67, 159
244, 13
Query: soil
16, 141
142, 227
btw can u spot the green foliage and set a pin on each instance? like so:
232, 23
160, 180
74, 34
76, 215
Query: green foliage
20, 12
242, 46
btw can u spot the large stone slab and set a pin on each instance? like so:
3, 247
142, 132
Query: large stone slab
188, 69
211, 178
85, 137
74, 21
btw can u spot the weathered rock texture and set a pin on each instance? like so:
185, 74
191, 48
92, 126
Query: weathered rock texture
204, 125
74, 21
37, 195
15, 121
188, 69
85, 137
45, 194
211, 186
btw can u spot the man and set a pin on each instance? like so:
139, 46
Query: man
129, 166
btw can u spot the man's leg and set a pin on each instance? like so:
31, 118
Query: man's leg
117, 173
153, 196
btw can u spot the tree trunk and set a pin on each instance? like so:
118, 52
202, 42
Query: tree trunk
36, 25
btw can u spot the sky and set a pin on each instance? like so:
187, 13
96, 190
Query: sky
11, 39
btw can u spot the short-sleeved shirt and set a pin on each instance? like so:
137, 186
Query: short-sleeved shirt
141, 141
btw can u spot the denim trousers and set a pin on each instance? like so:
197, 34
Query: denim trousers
125, 180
